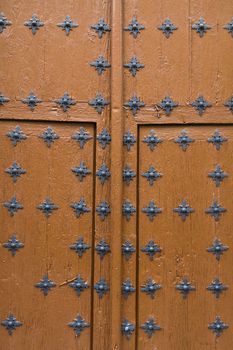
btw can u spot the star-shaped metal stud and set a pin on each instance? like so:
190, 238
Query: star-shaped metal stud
82, 136
127, 328
183, 210
150, 287
99, 103
151, 249
65, 102
217, 140
167, 104
129, 140
13, 244
229, 104
150, 326
78, 325
31, 100
80, 247
217, 248
45, 285
134, 104
200, 104
49, 136
217, 175
201, 27
11, 323
217, 287
80, 208
81, 171
102, 248
152, 210
127, 288
79, 285
103, 210
13, 206
104, 138
215, 210
100, 64
152, 175
103, 173
34, 24
127, 249
16, 135
15, 171
128, 209
134, 27
101, 27
218, 326
3, 22
229, 27
152, 140
67, 25
134, 66
128, 174
167, 28
183, 140
47, 207
101, 287
3, 99
185, 287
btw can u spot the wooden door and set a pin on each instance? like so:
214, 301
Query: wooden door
116, 177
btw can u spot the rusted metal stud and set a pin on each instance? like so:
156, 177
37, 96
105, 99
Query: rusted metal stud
79, 285
134, 104
183, 140
200, 104
45, 285
127, 288
127, 328
104, 138
167, 104
101, 27
185, 287
128, 174
13, 244
152, 140
217, 248
128, 209
103, 173
67, 25
15, 171
217, 287
102, 248
78, 325
80, 247
229, 27
16, 135
3, 99
49, 136
4, 22
152, 210
151, 249
150, 287
218, 326
167, 28
80, 207
34, 24
13, 206
100, 64
150, 326
81, 171
99, 103
217, 140
229, 103
183, 210
134, 66
47, 207
11, 323
82, 136
65, 102
201, 27
217, 175
127, 249
101, 287
129, 140
134, 27
215, 210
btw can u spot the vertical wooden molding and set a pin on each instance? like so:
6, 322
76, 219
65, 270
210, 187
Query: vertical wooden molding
116, 170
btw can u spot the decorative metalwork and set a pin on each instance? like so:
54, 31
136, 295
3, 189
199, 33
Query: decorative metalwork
3, 99
98, 103
217, 175
67, 25
100, 64
79, 285
218, 326
103, 210
103, 173
200, 104
129, 140
81, 136
152, 140
49, 136
31, 100
128, 174
127, 249
152, 210
15, 171
150, 287
102, 248
134, 27
134, 66
11, 323
167, 104
34, 24
184, 140
127, 328
16, 135
167, 28
101, 27
128, 209
150, 326
215, 210
185, 287
183, 210
217, 140
229, 103
65, 102
78, 325
13, 245
104, 138
80, 247
80, 208
217, 287
81, 171
151, 249
229, 27
45, 285
3, 22
101, 287
201, 27
217, 248
13, 206
47, 207
127, 288
134, 104
152, 175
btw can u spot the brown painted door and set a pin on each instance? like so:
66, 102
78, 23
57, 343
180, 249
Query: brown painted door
116, 213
